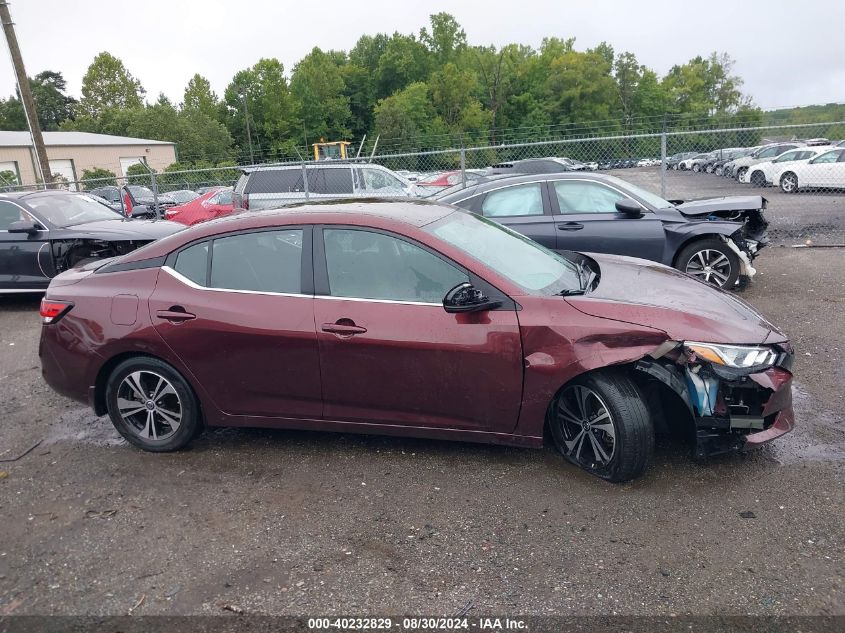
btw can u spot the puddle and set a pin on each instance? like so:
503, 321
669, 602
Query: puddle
83, 427
818, 434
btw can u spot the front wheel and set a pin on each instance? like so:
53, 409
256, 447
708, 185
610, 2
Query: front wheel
740, 173
711, 261
758, 179
600, 422
151, 405
789, 182
696, 168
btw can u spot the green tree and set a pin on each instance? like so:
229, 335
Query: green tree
405, 60
318, 85
199, 97
138, 174
407, 120
261, 95
446, 38
98, 177
8, 178
107, 84
52, 104
454, 100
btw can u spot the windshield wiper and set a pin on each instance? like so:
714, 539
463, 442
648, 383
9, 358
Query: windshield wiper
569, 292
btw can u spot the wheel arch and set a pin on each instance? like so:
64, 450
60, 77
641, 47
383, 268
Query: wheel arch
99, 399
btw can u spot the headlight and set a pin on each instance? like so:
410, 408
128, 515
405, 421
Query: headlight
737, 356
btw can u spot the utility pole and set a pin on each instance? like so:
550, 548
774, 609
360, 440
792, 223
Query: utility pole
42, 164
248, 133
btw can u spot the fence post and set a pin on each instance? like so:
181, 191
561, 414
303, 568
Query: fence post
463, 167
663, 164
159, 214
305, 180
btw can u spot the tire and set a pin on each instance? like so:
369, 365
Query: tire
789, 182
757, 178
170, 422
739, 173
719, 170
628, 433
696, 167
711, 261
709, 169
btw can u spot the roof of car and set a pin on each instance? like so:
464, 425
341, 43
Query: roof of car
494, 182
325, 164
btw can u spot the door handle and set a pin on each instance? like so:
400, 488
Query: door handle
570, 226
343, 327
176, 314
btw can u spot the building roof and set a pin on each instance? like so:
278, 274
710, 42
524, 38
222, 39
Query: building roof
22, 139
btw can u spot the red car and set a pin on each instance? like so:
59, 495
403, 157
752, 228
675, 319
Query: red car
212, 204
409, 318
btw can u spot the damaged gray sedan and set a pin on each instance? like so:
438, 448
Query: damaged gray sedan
715, 240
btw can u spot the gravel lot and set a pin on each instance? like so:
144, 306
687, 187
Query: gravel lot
818, 216
314, 523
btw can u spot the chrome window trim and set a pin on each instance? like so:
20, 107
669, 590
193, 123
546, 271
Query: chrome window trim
366, 300
192, 284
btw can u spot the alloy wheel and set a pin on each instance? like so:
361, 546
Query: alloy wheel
710, 265
149, 405
789, 183
589, 434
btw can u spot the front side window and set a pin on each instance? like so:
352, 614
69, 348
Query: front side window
582, 196
514, 201
828, 157
265, 261
9, 213
375, 179
368, 265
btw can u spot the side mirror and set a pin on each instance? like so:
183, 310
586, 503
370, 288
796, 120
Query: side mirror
467, 298
141, 211
629, 207
24, 226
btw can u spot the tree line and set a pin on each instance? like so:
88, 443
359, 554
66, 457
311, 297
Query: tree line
415, 92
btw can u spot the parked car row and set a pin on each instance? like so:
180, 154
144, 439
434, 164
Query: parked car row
791, 166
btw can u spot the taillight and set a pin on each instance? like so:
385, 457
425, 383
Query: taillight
245, 201
52, 311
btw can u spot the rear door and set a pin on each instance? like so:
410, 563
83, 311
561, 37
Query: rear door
522, 207
238, 311
586, 220
391, 355
25, 260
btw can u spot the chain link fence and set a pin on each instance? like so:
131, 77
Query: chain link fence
799, 169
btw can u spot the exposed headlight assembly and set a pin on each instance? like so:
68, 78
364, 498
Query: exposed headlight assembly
734, 356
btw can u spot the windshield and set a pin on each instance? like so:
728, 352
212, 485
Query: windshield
651, 199
62, 210
527, 264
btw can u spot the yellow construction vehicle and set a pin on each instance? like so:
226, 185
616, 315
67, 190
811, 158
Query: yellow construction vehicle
336, 150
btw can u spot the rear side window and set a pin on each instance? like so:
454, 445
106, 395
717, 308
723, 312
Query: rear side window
331, 181
267, 261
513, 201
193, 263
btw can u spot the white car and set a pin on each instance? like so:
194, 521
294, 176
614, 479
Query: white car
695, 162
827, 170
768, 173
766, 153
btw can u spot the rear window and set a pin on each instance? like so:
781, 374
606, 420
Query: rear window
274, 181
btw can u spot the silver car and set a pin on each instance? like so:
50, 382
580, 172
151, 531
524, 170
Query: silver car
270, 187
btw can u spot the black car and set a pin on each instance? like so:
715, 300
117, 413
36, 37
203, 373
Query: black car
43, 233
715, 240
141, 198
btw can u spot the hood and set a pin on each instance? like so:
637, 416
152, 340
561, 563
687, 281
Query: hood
118, 229
728, 203
646, 293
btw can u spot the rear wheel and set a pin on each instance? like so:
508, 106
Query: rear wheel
758, 179
789, 182
600, 422
151, 405
719, 170
710, 260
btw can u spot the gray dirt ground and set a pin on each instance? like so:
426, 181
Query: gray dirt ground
314, 523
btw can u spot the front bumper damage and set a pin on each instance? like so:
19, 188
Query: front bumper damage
731, 409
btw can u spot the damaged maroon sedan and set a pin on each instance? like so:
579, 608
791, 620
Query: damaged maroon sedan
412, 318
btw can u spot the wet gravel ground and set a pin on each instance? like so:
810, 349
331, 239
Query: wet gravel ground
315, 523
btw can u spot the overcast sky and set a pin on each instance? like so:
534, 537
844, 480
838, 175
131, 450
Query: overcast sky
788, 53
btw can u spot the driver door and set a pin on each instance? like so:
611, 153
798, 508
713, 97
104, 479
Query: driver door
586, 220
390, 354
25, 259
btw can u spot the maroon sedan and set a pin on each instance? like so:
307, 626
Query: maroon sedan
409, 318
